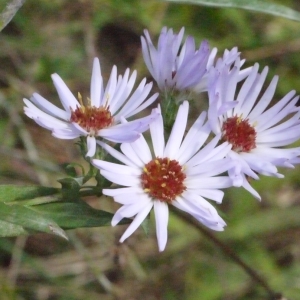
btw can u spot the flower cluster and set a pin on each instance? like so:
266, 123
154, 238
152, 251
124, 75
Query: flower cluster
242, 135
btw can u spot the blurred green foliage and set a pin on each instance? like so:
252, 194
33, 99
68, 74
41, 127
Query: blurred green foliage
64, 36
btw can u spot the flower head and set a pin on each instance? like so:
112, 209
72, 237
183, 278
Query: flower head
256, 130
228, 59
178, 173
104, 113
172, 65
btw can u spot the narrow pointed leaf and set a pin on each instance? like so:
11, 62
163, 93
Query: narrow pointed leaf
9, 229
29, 219
10, 10
254, 5
27, 209
10, 193
75, 214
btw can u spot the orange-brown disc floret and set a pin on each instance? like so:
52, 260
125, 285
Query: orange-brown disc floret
92, 118
163, 179
239, 133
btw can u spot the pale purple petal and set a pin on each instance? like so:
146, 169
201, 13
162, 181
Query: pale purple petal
49, 108
125, 86
250, 189
65, 134
212, 194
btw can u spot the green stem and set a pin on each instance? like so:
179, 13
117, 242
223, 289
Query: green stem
93, 191
169, 109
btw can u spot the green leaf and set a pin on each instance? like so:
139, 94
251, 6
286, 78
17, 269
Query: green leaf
26, 209
16, 218
8, 13
10, 193
70, 169
9, 229
75, 214
27, 219
70, 187
145, 225
255, 5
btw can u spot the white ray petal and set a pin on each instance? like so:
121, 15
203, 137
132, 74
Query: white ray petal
96, 84
125, 180
121, 191
128, 211
127, 149
114, 168
91, 146
142, 150
128, 199
264, 100
177, 132
195, 138
116, 154
212, 194
157, 136
208, 183
161, 211
48, 107
66, 97
140, 217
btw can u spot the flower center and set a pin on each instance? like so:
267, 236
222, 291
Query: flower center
239, 133
91, 118
163, 179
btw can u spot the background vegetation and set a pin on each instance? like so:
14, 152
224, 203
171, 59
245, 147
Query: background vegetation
63, 37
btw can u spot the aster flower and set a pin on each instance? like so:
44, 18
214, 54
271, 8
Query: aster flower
256, 130
174, 67
104, 113
229, 57
180, 173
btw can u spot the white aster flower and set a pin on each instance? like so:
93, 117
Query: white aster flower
179, 173
256, 130
103, 115
173, 65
